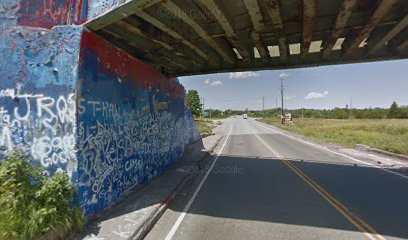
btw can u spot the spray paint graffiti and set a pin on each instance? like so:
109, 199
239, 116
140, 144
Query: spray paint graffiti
49, 13
38, 74
76, 103
41, 126
120, 149
132, 124
8, 13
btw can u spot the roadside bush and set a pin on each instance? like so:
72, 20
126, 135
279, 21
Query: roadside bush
204, 127
32, 204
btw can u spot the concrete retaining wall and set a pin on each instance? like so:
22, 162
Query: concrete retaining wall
38, 72
131, 123
99, 7
75, 103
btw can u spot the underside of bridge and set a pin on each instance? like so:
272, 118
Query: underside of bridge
186, 37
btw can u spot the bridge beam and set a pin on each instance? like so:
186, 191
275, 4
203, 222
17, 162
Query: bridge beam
375, 19
218, 13
258, 26
132, 25
173, 33
135, 38
136, 30
402, 47
172, 7
207, 40
341, 21
119, 13
273, 10
309, 16
390, 35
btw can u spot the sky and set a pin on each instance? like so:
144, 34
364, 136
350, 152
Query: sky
375, 84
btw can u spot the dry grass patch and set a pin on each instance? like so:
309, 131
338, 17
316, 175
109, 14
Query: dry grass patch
386, 134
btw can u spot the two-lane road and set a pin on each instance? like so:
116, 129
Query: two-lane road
265, 185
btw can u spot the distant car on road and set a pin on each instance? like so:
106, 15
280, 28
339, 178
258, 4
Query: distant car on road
245, 116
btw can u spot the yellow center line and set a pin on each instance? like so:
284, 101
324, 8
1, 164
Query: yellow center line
343, 210
371, 229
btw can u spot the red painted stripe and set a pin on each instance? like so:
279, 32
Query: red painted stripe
116, 62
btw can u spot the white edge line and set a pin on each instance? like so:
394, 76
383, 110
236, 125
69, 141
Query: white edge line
190, 202
331, 151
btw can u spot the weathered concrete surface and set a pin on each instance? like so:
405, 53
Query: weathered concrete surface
75, 103
99, 7
38, 74
49, 13
133, 123
131, 217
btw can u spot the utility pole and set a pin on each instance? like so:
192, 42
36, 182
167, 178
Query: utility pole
302, 113
263, 106
351, 107
282, 95
203, 108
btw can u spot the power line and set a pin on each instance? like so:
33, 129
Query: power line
242, 99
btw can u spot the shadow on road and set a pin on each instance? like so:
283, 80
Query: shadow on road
264, 189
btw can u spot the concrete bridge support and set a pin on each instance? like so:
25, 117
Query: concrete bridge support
75, 103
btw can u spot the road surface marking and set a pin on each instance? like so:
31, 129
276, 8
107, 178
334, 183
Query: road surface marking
328, 197
331, 151
190, 202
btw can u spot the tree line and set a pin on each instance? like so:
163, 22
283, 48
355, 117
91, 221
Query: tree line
393, 112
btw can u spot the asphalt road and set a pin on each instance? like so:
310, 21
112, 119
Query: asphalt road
265, 185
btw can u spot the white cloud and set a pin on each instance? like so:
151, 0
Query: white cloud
289, 97
216, 83
284, 75
212, 83
237, 75
316, 95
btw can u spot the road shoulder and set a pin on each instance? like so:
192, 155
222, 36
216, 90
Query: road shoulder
138, 212
387, 163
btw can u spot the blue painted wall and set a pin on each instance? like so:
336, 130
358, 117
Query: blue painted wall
77, 104
131, 127
98, 7
38, 74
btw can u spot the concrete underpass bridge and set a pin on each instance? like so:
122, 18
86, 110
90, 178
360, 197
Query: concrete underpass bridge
184, 37
88, 87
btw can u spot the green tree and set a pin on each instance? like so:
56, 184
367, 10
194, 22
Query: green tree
193, 100
394, 111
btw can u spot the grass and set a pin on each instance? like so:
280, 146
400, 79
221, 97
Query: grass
205, 127
32, 204
386, 134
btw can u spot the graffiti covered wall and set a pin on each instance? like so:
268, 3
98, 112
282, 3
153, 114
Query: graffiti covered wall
99, 7
49, 13
37, 96
75, 103
131, 123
